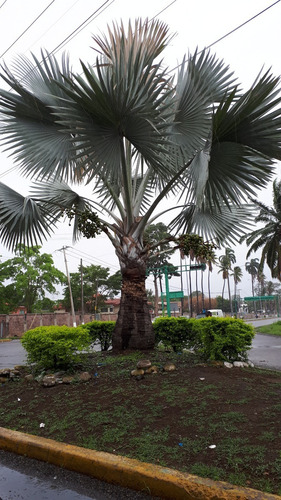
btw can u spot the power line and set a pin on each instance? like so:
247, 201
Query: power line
3, 4
52, 25
243, 24
33, 22
232, 31
81, 26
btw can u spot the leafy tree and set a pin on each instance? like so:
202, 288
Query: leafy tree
269, 236
157, 237
138, 135
98, 285
223, 304
32, 275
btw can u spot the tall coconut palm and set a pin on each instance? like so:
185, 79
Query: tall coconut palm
268, 237
237, 277
137, 134
252, 267
225, 262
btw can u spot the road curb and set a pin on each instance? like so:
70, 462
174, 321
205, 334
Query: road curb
155, 480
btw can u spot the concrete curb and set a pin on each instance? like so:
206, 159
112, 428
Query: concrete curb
155, 480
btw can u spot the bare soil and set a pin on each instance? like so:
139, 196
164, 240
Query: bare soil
206, 419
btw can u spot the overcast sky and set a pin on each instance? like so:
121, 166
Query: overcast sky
247, 50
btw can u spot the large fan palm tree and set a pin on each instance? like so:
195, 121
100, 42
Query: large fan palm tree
268, 237
137, 134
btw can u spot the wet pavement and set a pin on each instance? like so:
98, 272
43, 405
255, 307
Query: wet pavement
11, 354
24, 478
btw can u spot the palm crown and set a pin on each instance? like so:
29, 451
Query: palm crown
137, 134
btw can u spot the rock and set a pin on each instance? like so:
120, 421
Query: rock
49, 381
217, 363
143, 364
3, 380
227, 364
28, 377
169, 367
5, 372
152, 369
85, 377
251, 364
67, 379
137, 373
239, 364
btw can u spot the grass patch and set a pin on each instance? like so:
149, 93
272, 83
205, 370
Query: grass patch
170, 419
272, 329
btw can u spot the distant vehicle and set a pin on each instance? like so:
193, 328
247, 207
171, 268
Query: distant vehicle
217, 313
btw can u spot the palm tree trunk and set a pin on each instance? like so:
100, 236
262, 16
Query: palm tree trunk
133, 328
229, 296
156, 295
209, 288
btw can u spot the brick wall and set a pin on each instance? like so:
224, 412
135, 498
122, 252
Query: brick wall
12, 325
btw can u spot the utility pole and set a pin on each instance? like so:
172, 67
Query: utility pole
69, 287
82, 294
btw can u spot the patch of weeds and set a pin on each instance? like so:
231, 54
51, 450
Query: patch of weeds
196, 444
208, 471
150, 446
267, 436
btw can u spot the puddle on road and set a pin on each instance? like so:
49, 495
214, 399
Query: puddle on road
17, 486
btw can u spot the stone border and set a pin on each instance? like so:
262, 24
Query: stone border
155, 480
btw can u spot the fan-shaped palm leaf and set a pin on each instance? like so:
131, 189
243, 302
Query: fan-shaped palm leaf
22, 220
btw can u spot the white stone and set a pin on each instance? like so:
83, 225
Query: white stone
228, 365
238, 364
251, 364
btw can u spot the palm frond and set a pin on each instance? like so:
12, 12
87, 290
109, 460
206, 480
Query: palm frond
23, 220
57, 197
222, 226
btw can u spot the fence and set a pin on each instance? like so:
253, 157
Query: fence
14, 325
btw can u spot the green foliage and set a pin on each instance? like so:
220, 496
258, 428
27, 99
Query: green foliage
222, 339
97, 287
101, 332
174, 332
55, 347
32, 275
88, 222
273, 329
194, 246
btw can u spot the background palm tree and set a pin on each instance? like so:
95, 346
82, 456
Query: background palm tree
252, 267
268, 237
225, 262
136, 134
237, 277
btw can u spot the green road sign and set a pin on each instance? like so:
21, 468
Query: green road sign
260, 297
176, 295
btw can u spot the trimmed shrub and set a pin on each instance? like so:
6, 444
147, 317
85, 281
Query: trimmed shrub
222, 339
101, 332
55, 347
174, 332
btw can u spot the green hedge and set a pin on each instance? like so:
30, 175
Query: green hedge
55, 347
174, 332
221, 339
101, 332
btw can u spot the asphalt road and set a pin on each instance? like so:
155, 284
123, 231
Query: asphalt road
24, 478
